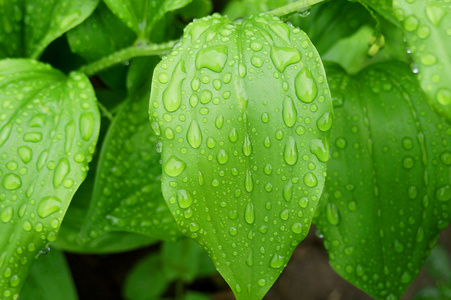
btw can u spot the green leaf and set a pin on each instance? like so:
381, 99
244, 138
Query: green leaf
49, 125
427, 28
388, 188
243, 111
111, 242
142, 16
29, 26
243, 8
383, 7
146, 280
196, 9
49, 278
127, 192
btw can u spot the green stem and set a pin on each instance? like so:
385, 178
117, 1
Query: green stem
125, 55
293, 7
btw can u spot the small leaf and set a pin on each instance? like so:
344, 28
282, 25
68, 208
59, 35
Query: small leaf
29, 26
427, 28
142, 16
243, 112
50, 278
127, 191
49, 125
388, 188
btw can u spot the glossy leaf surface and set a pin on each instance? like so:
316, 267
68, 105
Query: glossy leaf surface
427, 29
49, 278
127, 191
142, 16
49, 126
29, 26
388, 187
243, 112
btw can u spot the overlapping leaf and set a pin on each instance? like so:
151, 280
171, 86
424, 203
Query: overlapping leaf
127, 192
388, 188
243, 112
50, 278
49, 125
142, 16
427, 28
27, 27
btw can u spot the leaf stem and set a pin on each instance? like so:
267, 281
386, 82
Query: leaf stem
293, 7
125, 55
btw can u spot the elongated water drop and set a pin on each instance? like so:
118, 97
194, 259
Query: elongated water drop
305, 86
249, 214
48, 206
290, 153
289, 112
194, 135
247, 145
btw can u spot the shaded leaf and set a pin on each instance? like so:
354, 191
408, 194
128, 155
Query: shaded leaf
49, 278
142, 16
127, 191
244, 8
427, 28
383, 7
29, 26
243, 119
49, 126
388, 189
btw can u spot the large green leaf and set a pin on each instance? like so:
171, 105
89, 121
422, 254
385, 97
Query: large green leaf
142, 16
243, 112
388, 188
49, 278
127, 192
29, 26
427, 28
49, 125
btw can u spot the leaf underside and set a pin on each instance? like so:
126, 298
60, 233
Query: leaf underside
388, 188
49, 126
243, 112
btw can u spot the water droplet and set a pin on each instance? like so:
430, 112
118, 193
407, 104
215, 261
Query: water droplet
184, 198
444, 96
296, 228
265, 117
248, 183
332, 214
261, 282
267, 142
249, 260
268, 169
288, 191
247, 145
233, 135
310, 179
407, 143
222, 157
163, 77
25, 153
174, 166
205, 96
443, 193
277, 261
290, 152
172, 95
399, 247
5, 132
324, 123
6, 215
194, 135
411, 23
446, 158
213, 58
48, 206
256, 46
305, 86
86, 126
282, 57
233, 231
428, 59
256, 61
242, 70
289, 112
219, 122
11, 181
33, 137
320, 148
435, 14
249, 214
284, 214
61, 171
408, 162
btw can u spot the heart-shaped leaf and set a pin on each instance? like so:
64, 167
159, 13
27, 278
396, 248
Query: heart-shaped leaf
29, 26
427, 29
49, 126
127, 191
388, 188
243, 112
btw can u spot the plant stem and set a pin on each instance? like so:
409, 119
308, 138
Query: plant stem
293, 7
125, 55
